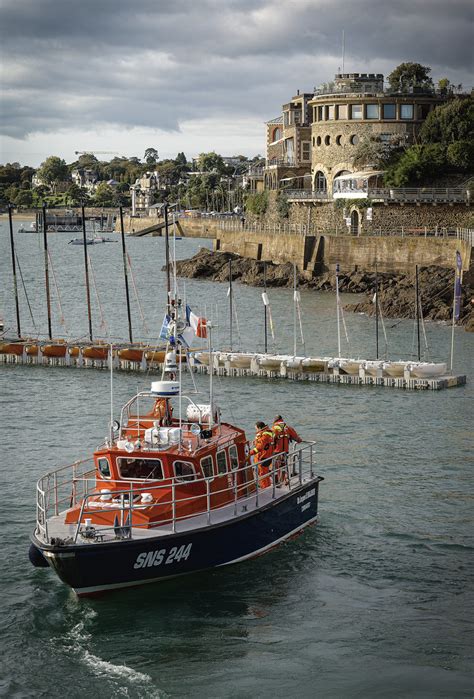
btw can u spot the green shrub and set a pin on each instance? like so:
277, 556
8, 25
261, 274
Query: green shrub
257, 203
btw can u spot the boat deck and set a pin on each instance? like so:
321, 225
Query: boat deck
105, 534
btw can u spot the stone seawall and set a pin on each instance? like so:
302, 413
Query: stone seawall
316, 254
190, 227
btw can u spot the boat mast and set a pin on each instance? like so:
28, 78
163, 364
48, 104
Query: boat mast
15, 286
265, 305
417, 311
456, 301
338, 313
86, 270
294, 310
376, 314
46, 271
230, 304
211, 372
167, 259
125, 272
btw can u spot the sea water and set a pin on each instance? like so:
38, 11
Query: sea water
374, 601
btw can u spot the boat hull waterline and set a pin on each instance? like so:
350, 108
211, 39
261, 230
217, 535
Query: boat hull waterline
95, 569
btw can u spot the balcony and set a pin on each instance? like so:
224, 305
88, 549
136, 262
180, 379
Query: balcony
283, 162
307, 195
449, 195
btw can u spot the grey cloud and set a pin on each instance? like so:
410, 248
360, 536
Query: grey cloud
159, 63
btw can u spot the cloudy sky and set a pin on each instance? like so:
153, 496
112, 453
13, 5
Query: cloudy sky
197, 75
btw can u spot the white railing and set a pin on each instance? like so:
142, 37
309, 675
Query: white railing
269, 228
406, 194
70, 485
307, 194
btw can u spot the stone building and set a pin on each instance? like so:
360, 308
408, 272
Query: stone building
144, 192
288, 162
356, 107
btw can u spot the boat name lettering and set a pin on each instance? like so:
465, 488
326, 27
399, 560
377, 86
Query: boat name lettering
306, 496
156, 558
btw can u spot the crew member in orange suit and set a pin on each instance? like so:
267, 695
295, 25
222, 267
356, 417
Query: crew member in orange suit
262, 452
283, 434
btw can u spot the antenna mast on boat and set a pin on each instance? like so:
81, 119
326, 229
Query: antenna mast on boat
46, 271
86, 270
15, 286
338, 312
111, 359
125, 272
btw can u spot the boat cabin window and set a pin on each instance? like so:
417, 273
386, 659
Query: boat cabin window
184, 471
207, 467
136, 468
104, 468
221, 462
234, 457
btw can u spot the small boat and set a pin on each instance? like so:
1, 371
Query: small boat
130, 354
157, 356
293, 363
348, 366
95, 352
395, 369
201, 357
12, 348
373, 368
239, 360
315, 364
32, 350
74, 351
80, 241
426, 370
54, 350
270, 361
167, 496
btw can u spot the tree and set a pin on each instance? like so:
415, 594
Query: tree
418, 163
104, 195
53, 170
373, 151
409, 75
181, 159
151, 156
211, 162
450, 122
76, 195
24, 198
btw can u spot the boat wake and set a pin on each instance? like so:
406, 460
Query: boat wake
125, 680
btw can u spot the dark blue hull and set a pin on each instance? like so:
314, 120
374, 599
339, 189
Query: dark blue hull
90, 569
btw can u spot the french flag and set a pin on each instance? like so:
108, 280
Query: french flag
197, 324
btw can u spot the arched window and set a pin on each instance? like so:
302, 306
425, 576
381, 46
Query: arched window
277, 134
327, 140
320, 182
355, 223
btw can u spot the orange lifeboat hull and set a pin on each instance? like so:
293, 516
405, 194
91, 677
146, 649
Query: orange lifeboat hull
32, 350
54, 350
155, 356
73, 351
11, 348
130, 355
95, 352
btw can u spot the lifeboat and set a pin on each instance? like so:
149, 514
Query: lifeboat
315, 364
53, 350
130, 354
167, 496
32, 350
157, 356
372, 368
348, 366
395, 369
12, 348
239, 360
269, 361
294, 363
426, 370
95, 352
74, 352
201, 357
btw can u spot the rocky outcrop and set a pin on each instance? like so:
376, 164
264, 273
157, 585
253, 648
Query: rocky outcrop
396, 292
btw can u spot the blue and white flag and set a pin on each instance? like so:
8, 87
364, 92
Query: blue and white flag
165, 328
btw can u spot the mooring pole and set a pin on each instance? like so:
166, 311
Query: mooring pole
167, 259
417, 315
86, 269
46, 271
376, 314
230, 304
125, 273
265, 305
15, 286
